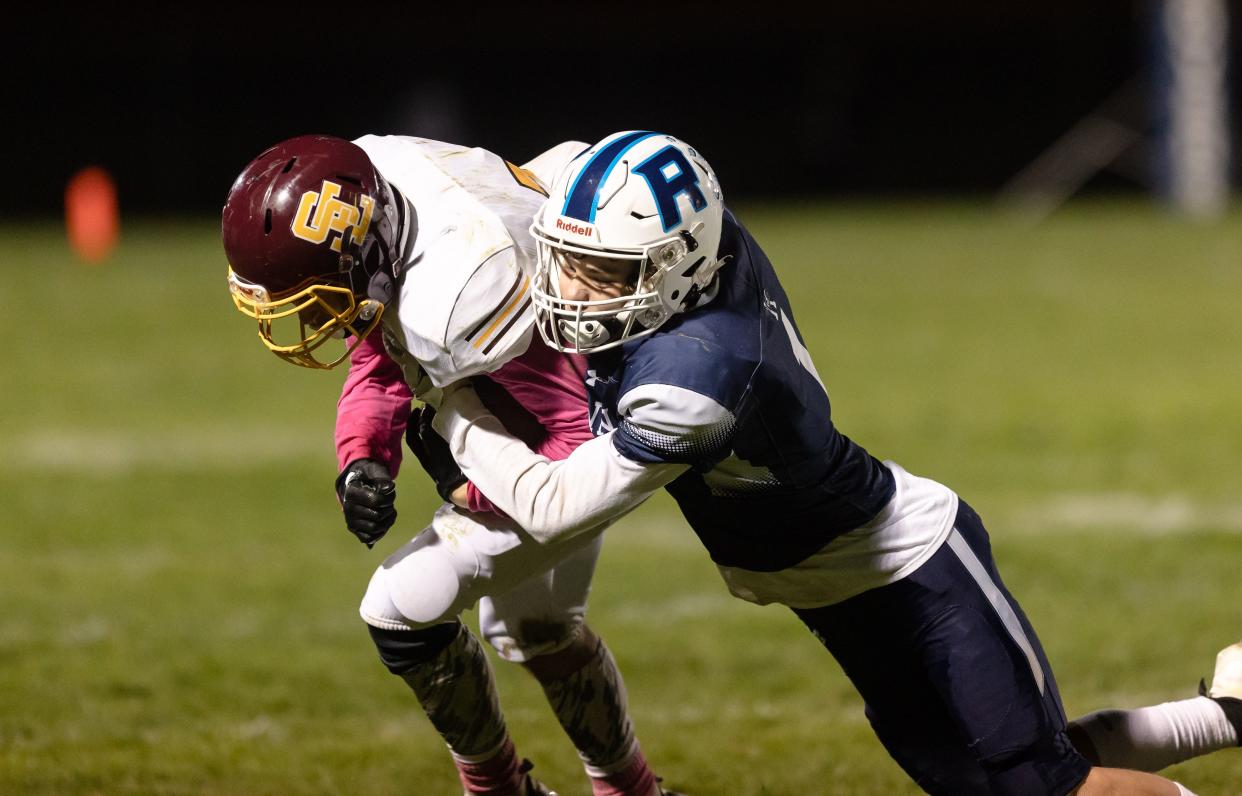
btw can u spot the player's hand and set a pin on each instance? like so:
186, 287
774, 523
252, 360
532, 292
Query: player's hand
368, 496
433, 452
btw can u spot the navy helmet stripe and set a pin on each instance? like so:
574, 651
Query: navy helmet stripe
580, 202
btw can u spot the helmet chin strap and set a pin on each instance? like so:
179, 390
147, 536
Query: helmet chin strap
381, 288
379, 285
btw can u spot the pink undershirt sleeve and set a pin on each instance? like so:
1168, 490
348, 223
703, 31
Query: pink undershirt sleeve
373, 408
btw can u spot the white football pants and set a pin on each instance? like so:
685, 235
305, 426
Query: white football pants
532, 597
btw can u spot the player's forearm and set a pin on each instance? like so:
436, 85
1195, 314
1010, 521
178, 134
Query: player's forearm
372, 410
552, 500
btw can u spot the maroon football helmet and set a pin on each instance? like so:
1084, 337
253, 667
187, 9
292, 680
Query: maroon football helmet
310, 231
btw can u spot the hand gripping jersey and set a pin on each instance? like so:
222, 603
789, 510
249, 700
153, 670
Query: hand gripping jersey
724, 406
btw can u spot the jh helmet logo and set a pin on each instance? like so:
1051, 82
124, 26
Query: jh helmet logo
321, 214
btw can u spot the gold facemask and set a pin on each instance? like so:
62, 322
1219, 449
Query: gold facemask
295, 326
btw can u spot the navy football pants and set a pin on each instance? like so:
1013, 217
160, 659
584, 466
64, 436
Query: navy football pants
956, 684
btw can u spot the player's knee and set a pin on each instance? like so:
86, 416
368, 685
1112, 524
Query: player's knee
535, 643
423, 588
402, 651
1049, 766
560, 655
425, 591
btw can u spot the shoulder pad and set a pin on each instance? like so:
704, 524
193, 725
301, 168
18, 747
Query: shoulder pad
695, 364
463, 327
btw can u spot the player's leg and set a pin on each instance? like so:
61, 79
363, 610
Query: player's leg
1155, 737
1123, 782
446, 668
539, 623
411, 607
984, 690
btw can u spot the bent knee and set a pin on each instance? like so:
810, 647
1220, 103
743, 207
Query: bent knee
415, 590
530, 639
559, 659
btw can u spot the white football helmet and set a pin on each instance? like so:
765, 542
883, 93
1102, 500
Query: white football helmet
638, 196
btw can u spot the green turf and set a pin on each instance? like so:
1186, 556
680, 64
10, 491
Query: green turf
179, 594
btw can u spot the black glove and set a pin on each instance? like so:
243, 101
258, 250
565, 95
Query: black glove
368, 495
433, 452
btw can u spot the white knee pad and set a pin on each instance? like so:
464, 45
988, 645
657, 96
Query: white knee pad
423, 583
536, 593
424, 589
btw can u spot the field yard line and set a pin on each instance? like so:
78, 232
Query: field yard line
1167, 515
110, 452
1097, 513
682, 607
117, 452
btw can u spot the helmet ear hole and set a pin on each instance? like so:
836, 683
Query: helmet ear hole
267, 222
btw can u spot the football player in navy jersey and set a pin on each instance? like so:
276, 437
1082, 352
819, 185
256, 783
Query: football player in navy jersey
700, 383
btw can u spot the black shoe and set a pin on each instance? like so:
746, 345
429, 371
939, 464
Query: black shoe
530, 785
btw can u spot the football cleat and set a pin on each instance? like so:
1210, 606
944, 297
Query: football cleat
1226, 689
1227, 679
530, 785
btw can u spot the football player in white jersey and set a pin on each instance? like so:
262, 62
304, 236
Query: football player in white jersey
700, 382
419, 254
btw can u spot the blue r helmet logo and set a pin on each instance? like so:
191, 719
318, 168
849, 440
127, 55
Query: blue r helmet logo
669, 175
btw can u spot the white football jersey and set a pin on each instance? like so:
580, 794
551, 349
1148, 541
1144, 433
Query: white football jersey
463, 301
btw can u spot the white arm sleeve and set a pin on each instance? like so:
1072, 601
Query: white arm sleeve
551, 500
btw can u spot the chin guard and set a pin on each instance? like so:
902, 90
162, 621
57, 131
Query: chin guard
296, 326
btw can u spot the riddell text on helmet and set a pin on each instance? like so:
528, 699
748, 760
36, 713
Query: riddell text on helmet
569, 226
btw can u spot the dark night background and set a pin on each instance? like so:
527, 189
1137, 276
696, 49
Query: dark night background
852, 99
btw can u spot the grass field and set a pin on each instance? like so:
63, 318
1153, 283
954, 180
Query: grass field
179, 593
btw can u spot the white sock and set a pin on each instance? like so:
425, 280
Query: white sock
1152, 738
1182, 790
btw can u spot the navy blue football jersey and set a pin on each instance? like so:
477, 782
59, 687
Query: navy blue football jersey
730, 390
